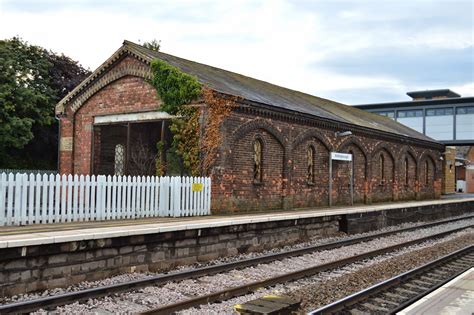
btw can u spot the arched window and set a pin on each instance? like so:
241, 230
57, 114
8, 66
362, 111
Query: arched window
119, 159
310, 162
406, 172
427, 172
382, 167
257, 161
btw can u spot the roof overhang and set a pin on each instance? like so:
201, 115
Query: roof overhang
126, 49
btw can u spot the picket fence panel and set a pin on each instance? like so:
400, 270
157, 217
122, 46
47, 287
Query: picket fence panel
48, 198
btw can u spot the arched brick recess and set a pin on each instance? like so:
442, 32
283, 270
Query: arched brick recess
431, 186
258, 124
305, 193
407, 175
341, 173
247, 195
382, 180
311, 133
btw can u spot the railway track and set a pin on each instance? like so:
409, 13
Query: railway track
395, 294
82, 295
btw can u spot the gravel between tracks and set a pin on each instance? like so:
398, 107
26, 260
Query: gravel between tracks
327, 287
151, 297
320, 294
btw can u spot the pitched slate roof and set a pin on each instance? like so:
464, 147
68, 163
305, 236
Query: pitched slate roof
260, 91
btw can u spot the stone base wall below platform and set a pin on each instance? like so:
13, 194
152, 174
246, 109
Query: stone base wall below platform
32, 268
371, 221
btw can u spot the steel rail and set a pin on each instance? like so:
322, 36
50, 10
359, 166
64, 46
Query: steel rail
57, 300
247, 288
362, 295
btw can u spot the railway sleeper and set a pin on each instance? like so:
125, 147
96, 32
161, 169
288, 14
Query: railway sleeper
355, 311
395, 297
441, 273
374, 308
403, 291
382, 302
458, 264
432, 277
413, 287
426, 284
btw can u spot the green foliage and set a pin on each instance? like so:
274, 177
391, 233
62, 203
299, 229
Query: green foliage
185, 131
153, 44
25, 92
32, 80
175, 88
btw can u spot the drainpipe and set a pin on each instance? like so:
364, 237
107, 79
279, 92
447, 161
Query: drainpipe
59, 141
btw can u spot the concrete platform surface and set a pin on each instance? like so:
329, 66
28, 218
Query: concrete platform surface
19, 236
455, 297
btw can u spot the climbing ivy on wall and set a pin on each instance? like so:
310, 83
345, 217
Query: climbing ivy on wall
174, 87
177, 91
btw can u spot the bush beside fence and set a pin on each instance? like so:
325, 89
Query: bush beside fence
38, 199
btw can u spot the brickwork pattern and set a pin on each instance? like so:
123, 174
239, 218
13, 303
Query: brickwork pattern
125, 94
234, 189
285, 139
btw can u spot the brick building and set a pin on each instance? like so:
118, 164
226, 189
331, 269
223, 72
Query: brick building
277, 141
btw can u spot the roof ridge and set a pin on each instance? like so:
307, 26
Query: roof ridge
229, 71
252, 89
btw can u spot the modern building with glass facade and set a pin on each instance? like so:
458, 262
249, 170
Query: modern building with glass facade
440, 114
444, 116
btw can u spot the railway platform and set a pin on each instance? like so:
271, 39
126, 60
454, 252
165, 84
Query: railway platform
20, 236
455, 297
37, 257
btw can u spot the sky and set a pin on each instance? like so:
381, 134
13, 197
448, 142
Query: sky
354, 52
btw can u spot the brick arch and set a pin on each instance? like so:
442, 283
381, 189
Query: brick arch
353, 141
359, 145
382, 146
259, 124
382, 190
361, 172
108, 78
309, 134
245, 192
407, 188
423, 158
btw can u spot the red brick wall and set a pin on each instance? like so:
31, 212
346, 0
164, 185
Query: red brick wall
232, 179
126, 95
285, 142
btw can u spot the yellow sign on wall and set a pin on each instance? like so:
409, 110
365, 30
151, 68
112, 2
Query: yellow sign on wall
197, 187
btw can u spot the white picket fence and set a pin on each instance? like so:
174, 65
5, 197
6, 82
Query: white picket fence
38, 199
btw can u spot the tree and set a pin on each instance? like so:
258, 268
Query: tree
32, 81
25, 92
153, 44
65, 74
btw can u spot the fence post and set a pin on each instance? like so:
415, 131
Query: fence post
23, 197
93, 199
209, 191
3, 185
57, 198
81, 198
129, 197
51, 198
64, 208
75, 212
119, 211
11, 183
101, 181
